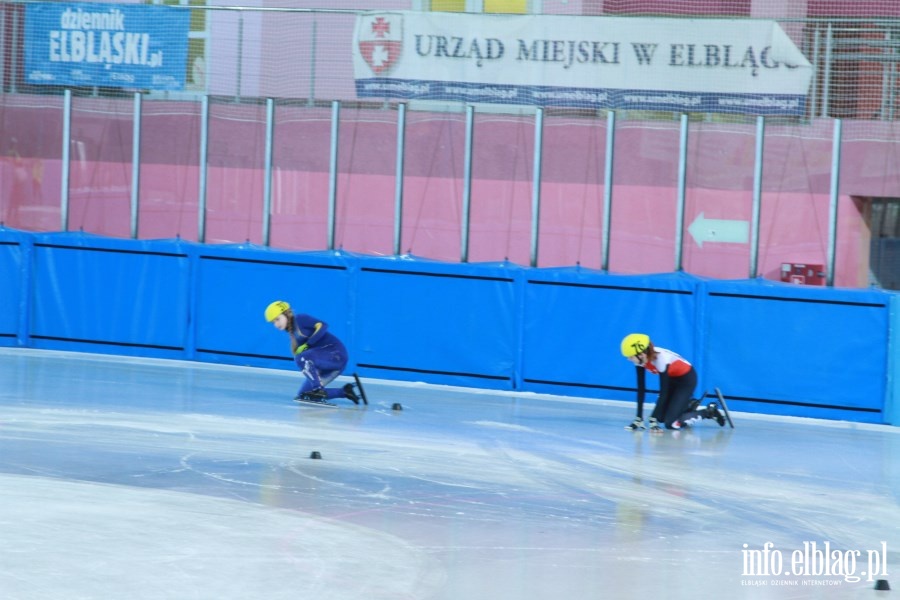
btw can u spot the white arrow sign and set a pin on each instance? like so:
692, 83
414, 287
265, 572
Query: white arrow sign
719, 230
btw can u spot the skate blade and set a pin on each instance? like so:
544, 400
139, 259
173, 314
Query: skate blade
315, 403
362, 390
724, 407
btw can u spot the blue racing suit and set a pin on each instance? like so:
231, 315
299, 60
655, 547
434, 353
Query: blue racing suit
319, 354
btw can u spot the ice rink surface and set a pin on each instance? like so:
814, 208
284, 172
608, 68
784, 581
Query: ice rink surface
135, 478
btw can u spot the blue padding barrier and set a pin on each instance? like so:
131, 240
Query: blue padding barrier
573, 320
99, 294
892, 402
771, 347
437, 322
797, 350
234, 284
15, 249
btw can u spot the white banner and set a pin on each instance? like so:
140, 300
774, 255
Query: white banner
696, 65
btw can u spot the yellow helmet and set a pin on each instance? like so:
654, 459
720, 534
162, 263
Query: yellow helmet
634, 344
276, 308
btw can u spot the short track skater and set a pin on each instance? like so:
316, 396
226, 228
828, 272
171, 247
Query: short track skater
319, 354
677, 382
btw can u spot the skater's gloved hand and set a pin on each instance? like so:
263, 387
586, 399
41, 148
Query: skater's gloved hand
302, 348
654, 426
635, 425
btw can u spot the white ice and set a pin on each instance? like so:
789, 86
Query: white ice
136, 478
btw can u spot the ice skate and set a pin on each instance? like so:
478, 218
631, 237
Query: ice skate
316, 397
350, 394
636, 425
712, 412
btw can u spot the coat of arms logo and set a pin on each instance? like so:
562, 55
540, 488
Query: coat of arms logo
380, 39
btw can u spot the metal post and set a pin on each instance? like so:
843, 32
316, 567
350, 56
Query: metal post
398, 179
608, 188
892, 86
333, 169
682, 180
467, 183
203, 169
814, 81
826, 78
833, 205
886, 69
240, 57
136, 165
267, 168
536, 184
14, 56
892, 102
312, 65
3, 51
757, 196
66, 159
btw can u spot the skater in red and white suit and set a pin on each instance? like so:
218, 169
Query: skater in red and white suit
677, 381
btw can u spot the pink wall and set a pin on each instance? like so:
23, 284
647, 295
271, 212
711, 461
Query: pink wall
793, 222
570, 231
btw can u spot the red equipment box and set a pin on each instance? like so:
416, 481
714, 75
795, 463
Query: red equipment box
803, 274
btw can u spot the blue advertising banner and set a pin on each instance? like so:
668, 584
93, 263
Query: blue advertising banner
107, 45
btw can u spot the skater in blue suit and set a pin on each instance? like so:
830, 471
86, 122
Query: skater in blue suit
319, 354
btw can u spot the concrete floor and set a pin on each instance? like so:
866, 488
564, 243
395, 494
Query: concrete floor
135, 478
